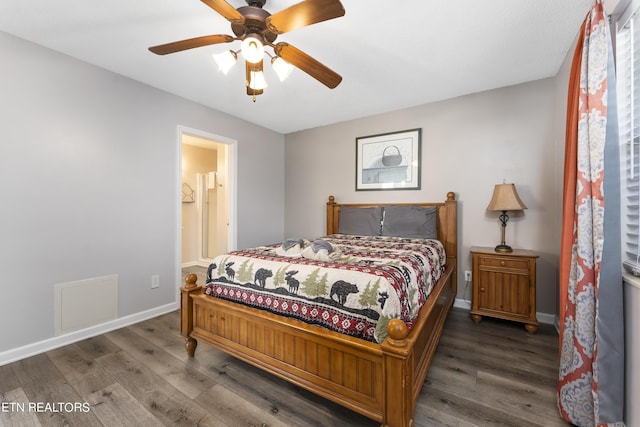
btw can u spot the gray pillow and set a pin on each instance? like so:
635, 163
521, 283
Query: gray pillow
360, 221
410, 221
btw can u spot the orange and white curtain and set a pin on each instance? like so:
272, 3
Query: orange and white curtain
591, 372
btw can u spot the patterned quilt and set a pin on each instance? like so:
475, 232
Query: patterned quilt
368, 281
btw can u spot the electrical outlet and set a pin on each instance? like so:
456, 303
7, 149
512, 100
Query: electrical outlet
155, 281
467, 276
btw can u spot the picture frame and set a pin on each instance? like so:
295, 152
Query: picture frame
389, 161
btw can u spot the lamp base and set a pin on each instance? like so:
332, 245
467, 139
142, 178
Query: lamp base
505, 249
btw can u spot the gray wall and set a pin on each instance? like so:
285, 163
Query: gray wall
469, 144
89, 163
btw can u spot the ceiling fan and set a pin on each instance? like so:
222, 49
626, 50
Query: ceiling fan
257, 28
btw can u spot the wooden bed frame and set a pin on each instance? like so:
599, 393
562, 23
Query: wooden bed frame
380, 381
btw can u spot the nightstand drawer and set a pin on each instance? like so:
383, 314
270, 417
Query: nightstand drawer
487, 261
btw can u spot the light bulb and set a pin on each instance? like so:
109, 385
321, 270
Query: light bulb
252, 49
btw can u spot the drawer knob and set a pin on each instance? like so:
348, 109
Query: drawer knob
481, 289
502, 263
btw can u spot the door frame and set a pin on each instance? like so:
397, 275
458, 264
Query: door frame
232, 153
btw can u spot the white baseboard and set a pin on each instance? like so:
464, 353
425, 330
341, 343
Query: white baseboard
462, 303
189, 264
546, 318
29, 350
202, 263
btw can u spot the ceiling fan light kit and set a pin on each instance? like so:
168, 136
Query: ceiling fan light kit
257, 80
281, 67
225, 60
252, 48
257, 28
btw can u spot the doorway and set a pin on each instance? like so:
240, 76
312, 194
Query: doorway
207, 220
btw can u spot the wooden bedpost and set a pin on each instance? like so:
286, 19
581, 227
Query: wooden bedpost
451, 247
331, 216
186, 312
398, 373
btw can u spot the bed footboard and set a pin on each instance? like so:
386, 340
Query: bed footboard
380, 381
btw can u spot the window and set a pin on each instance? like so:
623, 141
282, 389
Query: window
628, 80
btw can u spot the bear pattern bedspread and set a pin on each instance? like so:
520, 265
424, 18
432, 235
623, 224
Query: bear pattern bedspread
366, 281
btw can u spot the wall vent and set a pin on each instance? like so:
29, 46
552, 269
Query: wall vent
85, 303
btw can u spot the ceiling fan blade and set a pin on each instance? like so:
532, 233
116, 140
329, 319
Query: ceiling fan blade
181, 45
301, 60
226, 10
305, 13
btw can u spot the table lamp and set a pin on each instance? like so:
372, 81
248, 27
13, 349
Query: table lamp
505, 198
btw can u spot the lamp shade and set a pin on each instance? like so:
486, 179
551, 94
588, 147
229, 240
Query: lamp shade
505, 198
257, 81
252, 49
225, 60
281, 67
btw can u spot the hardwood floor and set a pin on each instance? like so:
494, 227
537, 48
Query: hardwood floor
490, 374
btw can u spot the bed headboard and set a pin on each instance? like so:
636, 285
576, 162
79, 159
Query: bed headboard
447, 222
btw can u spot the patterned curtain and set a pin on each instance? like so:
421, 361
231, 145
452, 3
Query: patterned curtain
591, 373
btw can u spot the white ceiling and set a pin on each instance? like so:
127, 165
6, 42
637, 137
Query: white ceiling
391, 54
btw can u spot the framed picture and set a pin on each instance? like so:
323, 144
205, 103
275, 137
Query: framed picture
390, 161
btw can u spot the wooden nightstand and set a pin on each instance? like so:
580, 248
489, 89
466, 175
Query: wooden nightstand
504, 286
